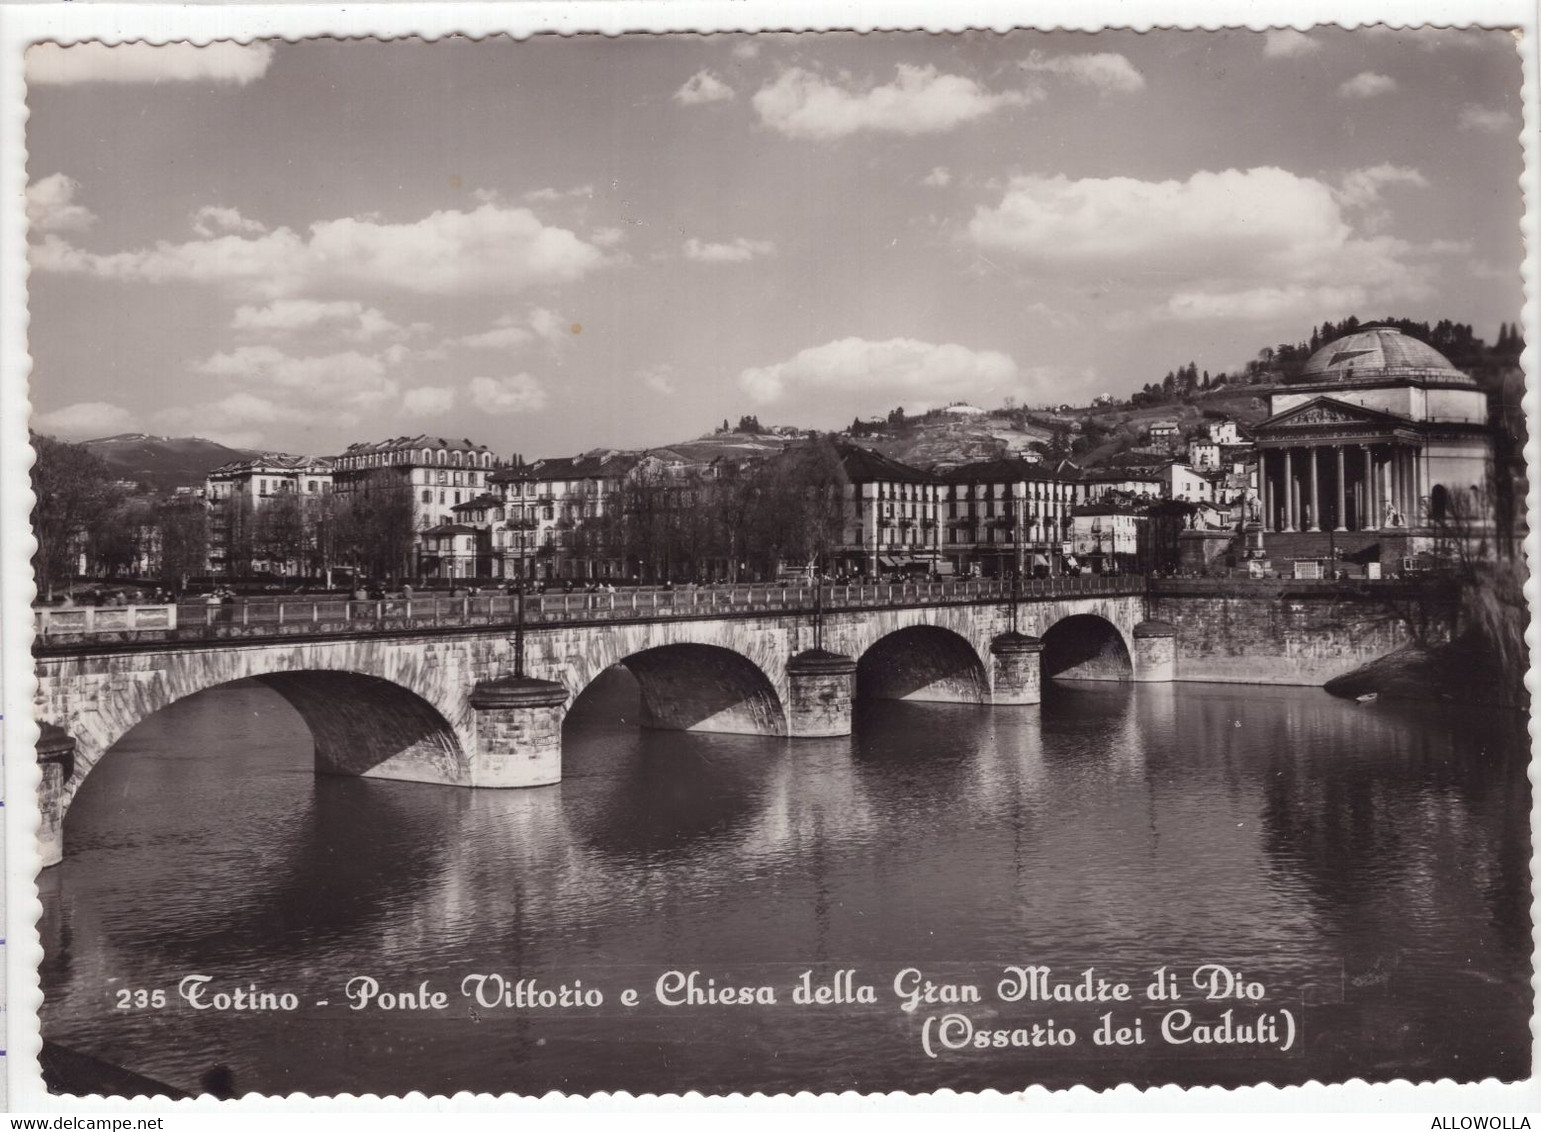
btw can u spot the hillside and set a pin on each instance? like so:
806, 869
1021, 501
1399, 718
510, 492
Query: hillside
163, 462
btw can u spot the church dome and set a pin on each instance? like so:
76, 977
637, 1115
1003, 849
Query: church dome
1380, 353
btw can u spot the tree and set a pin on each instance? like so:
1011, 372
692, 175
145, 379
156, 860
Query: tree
322, 515
375, 526
798, 511
71, 492
118, 541
184, 536
279, 533
236, 525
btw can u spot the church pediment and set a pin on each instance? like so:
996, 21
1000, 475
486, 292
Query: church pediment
1328, 412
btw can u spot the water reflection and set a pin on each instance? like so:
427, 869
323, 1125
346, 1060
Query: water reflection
1376, 855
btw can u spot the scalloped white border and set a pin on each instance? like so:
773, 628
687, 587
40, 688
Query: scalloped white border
24, 23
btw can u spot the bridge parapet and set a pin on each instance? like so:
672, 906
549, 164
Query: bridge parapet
68, 630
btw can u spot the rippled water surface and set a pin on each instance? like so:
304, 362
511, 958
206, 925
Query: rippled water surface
1369, 865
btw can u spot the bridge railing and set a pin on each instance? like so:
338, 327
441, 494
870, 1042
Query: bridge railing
289, 616
56, 621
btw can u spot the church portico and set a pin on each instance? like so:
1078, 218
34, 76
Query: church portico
1347, 481
1380, 432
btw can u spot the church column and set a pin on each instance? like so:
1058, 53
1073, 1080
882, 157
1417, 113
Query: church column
1339, 522
1316, 489
1419, 491
1265, 490
1289, 492
1399, 479
1367, 490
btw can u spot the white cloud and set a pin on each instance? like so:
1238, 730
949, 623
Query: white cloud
504, 336
86, 420
659, 379
1362, 187
1436, 39
900, 368
1108, 71
349, 378
219, 62
1229, 240
51, 205
556, 331
490, 249
938, 178
213, 218
1055, 317
1287, 43
283, 316
1485, 119
703, 86
239, 419
428, 401
740, 250
1262, 304
746, 49
606, 237
920, 100
547, 195
518, 393
512, 332
1367, 84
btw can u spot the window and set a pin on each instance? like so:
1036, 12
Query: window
427, 496
1439, 503
443, 478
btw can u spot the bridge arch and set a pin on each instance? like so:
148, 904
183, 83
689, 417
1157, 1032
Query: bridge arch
922, 662
695, 686
370, 710
1086, 646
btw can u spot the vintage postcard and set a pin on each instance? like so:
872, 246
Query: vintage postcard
766, 562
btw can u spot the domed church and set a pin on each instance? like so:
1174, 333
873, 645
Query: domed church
1372, 446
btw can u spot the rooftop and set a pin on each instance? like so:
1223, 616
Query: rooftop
603, 464
1007, 470
274, 462
398, 443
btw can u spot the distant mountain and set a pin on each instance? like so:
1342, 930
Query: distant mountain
163, 462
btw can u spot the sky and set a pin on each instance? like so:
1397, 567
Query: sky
561, 244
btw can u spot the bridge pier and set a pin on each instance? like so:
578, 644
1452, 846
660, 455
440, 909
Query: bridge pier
1018, 668
56, 759
823, 685
518, 732
1155, 652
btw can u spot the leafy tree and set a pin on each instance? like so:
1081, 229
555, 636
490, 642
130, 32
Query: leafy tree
71, 493
121, 537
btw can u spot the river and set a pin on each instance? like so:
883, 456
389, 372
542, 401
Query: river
1366, 867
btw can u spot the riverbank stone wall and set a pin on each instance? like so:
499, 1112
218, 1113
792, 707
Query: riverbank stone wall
1263, 634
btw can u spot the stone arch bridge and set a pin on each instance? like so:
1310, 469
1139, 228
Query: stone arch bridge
476, 700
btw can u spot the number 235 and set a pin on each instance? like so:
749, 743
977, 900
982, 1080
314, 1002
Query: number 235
141, 999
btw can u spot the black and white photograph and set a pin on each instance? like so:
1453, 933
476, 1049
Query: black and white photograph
777, 562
